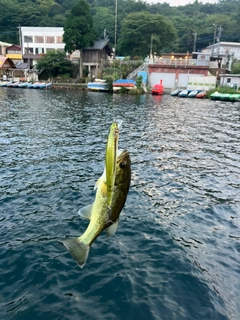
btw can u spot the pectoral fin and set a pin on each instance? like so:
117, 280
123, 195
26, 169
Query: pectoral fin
86, 211
110, 231
103, 177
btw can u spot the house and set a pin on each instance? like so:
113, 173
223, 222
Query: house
226, 51
6, 67
175, 69
231, 80
37, 41
14, 52
94, 56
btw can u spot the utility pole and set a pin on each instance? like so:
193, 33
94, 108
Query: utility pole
220, 29
214, 37
151, 56
115, 36
195, 40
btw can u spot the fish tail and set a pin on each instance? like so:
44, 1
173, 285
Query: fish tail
77, 249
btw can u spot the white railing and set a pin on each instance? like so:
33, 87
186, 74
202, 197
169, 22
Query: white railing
179, 62
142, 67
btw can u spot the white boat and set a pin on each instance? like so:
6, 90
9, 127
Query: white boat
192, 94
183, 93
98, 85
175, 92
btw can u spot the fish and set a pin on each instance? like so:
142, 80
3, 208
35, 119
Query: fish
110, 161
100, 218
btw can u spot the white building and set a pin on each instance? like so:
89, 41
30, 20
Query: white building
230, 80
36, 41
225, 50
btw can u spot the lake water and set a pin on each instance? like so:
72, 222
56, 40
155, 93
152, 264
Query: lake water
176, 253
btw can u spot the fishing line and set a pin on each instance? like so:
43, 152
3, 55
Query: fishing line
114, 57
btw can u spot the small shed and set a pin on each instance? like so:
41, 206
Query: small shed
95, 55
230, 80
6, 66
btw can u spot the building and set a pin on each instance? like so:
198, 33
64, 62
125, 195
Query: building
36, 41
224, 50
6, 68
94, 56
230, 80
14, 52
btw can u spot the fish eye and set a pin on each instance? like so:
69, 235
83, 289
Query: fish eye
123, 164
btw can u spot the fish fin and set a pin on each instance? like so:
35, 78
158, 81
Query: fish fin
77, 249
110, 231
103, 176
86, 211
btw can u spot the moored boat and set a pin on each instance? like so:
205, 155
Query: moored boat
48, 85
175, 92
192, 94
123, 83
201, 94
23, 85
41, 86
183, 93
158, 88
5, 83
98, 85
225, 96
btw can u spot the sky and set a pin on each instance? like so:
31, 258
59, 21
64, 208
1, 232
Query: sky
174, 3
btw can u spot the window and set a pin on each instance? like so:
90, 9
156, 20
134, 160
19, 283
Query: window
228, 80
28, 39
50, 39
39, 50
59, 40
28, 51
39, 39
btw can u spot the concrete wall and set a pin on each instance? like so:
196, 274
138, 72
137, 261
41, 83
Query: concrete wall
174, 76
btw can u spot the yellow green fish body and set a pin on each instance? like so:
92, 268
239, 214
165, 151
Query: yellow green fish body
110, 161
98, 213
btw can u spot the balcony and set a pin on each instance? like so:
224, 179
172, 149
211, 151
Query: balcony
179, 62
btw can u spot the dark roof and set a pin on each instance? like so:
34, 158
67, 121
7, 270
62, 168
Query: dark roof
15, 46
99, 45
20, 65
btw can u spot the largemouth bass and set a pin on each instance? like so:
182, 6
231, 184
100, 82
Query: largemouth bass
100, 218
111, 161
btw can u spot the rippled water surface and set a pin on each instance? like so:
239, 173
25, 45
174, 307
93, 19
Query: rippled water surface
176, 254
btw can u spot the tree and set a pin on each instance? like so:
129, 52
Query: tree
54, 64
139, 28
103, 19
236, 67
78, 30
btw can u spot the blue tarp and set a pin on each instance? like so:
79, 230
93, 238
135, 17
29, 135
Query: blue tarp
144, 75
124, 81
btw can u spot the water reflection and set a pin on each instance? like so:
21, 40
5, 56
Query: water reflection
177, 242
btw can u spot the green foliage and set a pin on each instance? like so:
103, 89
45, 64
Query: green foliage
109, 79
137, 30
139, 82
78, 28
104, 19
236, 67
53, 64
188, 19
